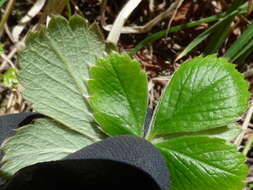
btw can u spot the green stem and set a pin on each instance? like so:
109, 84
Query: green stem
68, 8
6, 15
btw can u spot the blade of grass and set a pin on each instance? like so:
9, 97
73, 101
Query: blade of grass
219, 36
243, 57
240, 44
122, 17
204, 35
6, 15
244, 50
68, 3
248, 146
163, 33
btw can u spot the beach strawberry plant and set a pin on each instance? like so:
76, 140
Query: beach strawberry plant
88, 95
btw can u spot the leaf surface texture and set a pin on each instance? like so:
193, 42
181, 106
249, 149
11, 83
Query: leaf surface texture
119, 95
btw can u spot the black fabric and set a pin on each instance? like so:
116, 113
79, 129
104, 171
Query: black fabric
120, 162
10, 122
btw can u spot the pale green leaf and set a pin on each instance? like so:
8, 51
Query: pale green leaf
55, 66
119, 95
197, 163
54, 70
204, 93
45, 140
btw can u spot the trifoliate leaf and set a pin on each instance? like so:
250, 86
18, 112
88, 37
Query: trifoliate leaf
204, 93
55, 65
54, 68
45, 140
119, 95
197, 163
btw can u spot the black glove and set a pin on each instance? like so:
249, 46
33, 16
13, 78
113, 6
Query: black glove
120, 162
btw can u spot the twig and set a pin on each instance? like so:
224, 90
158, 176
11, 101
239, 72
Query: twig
114, 35
248, 73
250, 4
8, 60
6, 15
78, 11
145, 28
245, 125
248, 146
151, 5
27, 18
102, 12
249, 180
53, 7
8, 32
178, 5
18, 46
10, 102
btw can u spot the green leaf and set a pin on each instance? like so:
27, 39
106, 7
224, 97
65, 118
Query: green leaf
119, 95
55, 66
197, 163
204, 93
45, 140
9, 78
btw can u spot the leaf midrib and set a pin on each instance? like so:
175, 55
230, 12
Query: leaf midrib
66, 65
72, 75
128, 100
